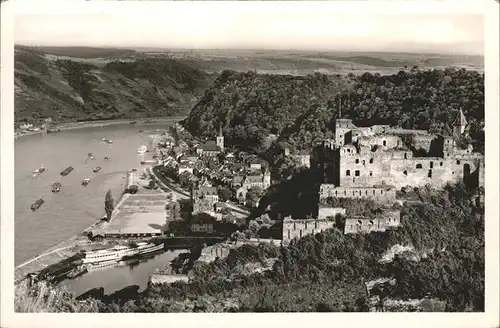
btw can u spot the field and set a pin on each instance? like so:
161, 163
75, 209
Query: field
275, 62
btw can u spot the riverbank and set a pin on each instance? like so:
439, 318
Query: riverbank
103, 123
62, 250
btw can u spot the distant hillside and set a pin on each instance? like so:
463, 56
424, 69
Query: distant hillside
70, 90
80, 52
302, 110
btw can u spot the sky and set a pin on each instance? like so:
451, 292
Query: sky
314, 27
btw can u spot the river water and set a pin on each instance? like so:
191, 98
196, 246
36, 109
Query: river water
75, 207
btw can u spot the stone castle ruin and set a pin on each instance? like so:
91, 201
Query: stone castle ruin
373, 162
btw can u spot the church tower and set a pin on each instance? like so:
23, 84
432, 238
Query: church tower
220, 140
267, 178
459, 125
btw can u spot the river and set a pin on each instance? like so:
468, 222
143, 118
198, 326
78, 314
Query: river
75, 207
116, 278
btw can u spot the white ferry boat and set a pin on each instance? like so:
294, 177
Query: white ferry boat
104, 265
142, 149
119, 252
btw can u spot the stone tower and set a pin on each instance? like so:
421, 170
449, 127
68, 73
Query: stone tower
220, 140
267, 179
459, 125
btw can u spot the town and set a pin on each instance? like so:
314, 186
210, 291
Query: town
214, 190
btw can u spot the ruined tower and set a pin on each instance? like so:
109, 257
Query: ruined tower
220, 140
459, 125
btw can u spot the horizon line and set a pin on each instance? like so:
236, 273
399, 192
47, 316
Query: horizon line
133, 48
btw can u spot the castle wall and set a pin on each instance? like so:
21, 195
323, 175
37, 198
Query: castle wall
423, 142
365, 225
435, 171
382, 195
365, 169
381, 140
299, 228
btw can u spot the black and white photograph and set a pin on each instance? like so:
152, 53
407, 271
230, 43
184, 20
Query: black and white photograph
276, 157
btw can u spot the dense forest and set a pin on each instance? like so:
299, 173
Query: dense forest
69, 90
301, 110
325, 272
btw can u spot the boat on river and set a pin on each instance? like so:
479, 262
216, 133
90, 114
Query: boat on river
90, 156
38, 171
67, 170
85, 181
106, 158
108, 141
142, 149
97, 169
118, 253
36, 205
56, 187
76, 272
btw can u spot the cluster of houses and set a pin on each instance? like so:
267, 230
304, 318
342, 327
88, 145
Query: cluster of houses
210, 161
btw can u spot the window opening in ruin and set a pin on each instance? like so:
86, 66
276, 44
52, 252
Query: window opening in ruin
371, 160
300, 233
430, 174
440, 163
356, 173
458, 162
294, 226
374, 192
364, 162
405, 172
345, 193
431, 164
357, 161
419, 166
371, 173
359, 222
348, 172
335, 192
288, 234
452, 172
305, 225
406, 156
315, 225
371, 222
381, 192
348, 150
384, 143
366, 192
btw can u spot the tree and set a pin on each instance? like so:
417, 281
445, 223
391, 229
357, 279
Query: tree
253, 195
109, 204
224, 193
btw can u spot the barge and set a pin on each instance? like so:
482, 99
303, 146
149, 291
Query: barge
67, 171
36, 205
97, 169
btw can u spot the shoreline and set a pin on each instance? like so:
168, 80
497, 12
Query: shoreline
62, 249
76, 240
104, 123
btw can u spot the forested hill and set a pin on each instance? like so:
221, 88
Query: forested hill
301, 110
75, 89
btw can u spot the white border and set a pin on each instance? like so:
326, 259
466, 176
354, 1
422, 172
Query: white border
488, 319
